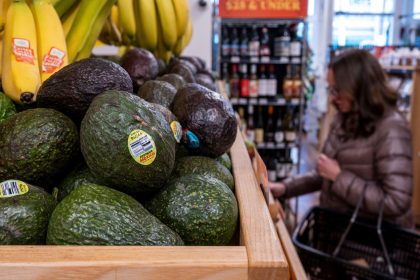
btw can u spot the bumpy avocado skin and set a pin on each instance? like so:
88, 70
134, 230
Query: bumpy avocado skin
225, 160
7, 108
72, 89
158, 92
97, 215
104, 142
208, 115
37, 146
174, 79
79, 176
200, 165
201, 209
24, 218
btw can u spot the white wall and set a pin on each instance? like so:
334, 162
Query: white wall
200, 44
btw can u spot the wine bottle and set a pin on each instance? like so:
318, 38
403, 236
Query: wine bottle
288, 83
262, 82
259, 128
269, 130
244, 45
244, 81
225, 43
265, 50
289, 126
235, 82
254, 43
250, 130
279, 134
272, 82
253, 82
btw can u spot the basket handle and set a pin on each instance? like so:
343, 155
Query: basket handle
378, 230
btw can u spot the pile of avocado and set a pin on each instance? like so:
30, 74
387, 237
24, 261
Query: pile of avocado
119, 155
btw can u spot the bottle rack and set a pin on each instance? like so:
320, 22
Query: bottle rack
272, 54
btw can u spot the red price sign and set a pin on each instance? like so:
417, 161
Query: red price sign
263, 8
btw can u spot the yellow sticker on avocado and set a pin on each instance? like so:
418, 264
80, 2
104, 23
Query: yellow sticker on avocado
11, 188
176, 130
142, 147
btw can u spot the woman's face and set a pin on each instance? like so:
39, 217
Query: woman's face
338, 98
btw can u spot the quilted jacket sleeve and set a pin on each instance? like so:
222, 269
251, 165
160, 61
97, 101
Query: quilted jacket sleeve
393, 166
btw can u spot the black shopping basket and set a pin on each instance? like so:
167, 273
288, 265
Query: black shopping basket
332, 248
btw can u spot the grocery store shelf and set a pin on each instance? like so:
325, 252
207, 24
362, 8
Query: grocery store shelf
275, 146
263, 60
263, 101
398, 69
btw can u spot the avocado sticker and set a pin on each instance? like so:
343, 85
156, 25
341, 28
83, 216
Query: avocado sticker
176, 130
11, 188
142, 147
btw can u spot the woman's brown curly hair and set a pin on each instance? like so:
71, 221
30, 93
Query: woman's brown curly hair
359, 75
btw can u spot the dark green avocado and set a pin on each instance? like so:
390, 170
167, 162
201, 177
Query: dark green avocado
24, 218
37, 146
127, 143
7, 108
200, 165
79, 176
97, 215
225, 160
201, 209
71, 89
158, 92
208, 115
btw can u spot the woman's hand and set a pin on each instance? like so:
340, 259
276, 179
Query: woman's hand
277, 189
328, 168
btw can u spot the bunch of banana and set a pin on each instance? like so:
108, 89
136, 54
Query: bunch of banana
33, 48
161, 26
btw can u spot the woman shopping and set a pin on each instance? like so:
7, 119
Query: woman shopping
368, 146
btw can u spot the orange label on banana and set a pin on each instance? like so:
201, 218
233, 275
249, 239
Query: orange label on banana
53, 60
22, 51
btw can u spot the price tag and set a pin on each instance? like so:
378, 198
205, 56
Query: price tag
281, 101
295, 101
263, 101
284, 59
234, 101
270, 146
235, 59
280, 145
265, 59
242, 101
253, 101
254, 60
296, 60
261, 145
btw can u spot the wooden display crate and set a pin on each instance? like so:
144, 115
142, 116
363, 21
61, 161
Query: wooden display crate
258, 255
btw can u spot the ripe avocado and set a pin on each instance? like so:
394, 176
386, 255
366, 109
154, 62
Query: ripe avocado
127, 143
24, 218
201, 209
205, 80
72, 89
37, 146
159, 92
208, 115
174, 79
141, 65
7, 107
200, 165
97, 215
183, 70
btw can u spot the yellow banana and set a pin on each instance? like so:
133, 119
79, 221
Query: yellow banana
84, 30
63, 6
182, 13
1, 52
52, 49
188, 34
4, 6
167, 21
146, 24
184, 40
115, 15
68, 19
126, 18
21, 78
86, 49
